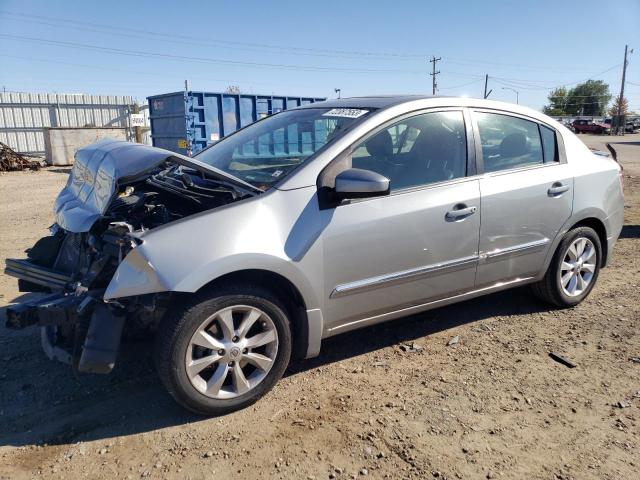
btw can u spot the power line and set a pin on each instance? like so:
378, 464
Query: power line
138, 53
142, 72
461, 85
532, 84
514, 65
186, 39
83, 25
528, 84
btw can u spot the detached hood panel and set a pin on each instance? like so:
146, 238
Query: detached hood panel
94, 179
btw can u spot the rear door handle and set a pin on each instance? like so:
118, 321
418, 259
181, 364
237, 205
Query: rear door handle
459, 212
557, 189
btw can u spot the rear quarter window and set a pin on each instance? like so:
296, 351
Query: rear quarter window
549, 144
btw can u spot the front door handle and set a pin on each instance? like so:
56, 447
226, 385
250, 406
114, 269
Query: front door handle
460, 212
557, 189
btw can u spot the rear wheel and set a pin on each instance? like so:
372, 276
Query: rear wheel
574, 269
224, 350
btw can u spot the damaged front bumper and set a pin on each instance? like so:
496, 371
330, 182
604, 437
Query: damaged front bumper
77, 325
32, 273
58, 313
83, 314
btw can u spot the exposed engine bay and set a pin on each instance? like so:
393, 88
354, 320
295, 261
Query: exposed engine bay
116, 192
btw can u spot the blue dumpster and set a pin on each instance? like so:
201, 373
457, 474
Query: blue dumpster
186, 122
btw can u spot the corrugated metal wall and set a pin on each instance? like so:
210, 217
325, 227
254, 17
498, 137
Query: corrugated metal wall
24, 115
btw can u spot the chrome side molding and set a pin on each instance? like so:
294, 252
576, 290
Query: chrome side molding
500, 253
402, 276
434, 269
403, 312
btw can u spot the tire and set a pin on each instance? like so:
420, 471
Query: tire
180, 352
552, 289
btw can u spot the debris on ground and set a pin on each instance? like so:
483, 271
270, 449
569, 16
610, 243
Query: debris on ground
411, 347
453, 341
11, 161
564, 361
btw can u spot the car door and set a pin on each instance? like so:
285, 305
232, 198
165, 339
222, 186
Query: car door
417, 244
526, 195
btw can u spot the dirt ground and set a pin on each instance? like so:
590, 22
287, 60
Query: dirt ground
392, 401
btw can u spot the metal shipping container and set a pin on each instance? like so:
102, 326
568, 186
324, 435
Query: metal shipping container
23, 116
186, 122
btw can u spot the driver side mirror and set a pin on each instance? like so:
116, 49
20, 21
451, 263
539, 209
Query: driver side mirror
359, 183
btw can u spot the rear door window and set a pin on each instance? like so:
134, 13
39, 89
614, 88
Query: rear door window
508, 142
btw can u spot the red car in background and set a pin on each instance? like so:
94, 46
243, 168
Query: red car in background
589, 126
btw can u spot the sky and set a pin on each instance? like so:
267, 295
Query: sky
143, 48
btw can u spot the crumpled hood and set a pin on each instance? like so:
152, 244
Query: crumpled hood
101, 167
94, 179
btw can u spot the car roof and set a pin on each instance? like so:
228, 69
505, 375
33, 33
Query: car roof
374, 101
382, 102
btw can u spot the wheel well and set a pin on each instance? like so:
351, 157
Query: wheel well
285, 291
599, 228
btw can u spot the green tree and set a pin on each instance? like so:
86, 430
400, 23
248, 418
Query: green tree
618, 107
557, 102
588, 98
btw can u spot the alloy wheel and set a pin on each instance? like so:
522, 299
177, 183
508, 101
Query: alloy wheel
578, 266
231, 352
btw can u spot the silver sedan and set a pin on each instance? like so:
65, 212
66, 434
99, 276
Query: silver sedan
309, 223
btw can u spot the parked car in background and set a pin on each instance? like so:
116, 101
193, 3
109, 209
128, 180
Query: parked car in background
309, 223
630, 126
590, 126
568, 124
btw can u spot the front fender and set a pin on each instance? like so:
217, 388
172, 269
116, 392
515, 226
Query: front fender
277, 233
137, 275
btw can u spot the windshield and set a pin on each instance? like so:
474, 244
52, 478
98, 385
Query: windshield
267, 151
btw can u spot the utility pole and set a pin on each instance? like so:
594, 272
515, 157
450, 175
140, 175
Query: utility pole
621, 98
486, 80
338, 91
137, 129
433, 73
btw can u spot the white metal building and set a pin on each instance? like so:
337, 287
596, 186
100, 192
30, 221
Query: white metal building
24, 115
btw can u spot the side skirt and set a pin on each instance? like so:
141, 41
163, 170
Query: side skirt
426, 306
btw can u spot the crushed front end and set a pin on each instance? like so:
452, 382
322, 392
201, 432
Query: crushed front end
74, 269
116, 192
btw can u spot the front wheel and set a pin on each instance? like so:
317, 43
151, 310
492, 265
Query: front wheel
224, 349
574, 269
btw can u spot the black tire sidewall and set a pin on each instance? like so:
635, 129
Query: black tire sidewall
570, 237
178, 382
